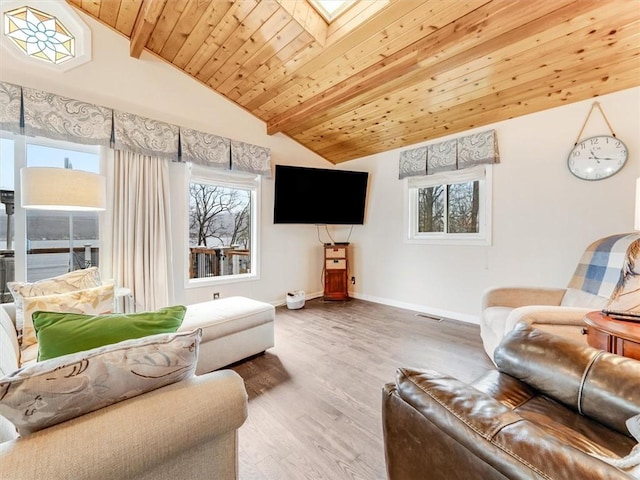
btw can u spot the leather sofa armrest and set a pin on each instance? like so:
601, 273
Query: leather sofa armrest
515, 297
128, 438
495, 435
597, 384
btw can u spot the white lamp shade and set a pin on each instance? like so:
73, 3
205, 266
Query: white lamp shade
46, 188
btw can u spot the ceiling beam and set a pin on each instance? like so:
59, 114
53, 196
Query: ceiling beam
401, 63
392, 67
426, 55
146, 20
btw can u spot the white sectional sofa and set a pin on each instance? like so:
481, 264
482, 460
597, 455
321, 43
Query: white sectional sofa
233, 329
184, 430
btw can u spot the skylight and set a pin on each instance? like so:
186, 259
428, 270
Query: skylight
331, 9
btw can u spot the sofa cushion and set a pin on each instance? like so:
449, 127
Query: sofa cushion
577, 298
94, 301
219, 318
57, 390
68, 282
64, 333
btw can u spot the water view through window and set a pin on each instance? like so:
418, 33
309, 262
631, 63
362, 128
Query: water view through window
56, 242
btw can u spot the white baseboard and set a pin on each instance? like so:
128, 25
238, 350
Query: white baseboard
436, 312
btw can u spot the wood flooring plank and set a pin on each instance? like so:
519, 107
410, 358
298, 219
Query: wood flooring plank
315, 398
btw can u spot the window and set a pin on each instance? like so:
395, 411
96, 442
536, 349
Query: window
331, 9
39, 35
223, 223
7, 222
450, 207
55, 242
56, 38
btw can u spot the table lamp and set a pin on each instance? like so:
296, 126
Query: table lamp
48, 188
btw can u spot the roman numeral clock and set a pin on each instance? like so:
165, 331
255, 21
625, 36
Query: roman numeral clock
598, 157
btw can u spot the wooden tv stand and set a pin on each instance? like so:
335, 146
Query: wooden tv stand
336, 268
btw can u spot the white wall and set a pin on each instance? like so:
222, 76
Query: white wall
543, 216
291, 257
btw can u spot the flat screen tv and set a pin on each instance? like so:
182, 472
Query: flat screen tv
319, 196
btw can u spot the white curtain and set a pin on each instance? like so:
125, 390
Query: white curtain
141, 228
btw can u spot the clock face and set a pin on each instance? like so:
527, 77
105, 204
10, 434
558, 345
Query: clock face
597, 158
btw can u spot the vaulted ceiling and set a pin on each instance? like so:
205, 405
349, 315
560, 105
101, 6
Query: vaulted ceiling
387, 73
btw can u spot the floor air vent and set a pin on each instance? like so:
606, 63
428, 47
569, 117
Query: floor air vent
424, 315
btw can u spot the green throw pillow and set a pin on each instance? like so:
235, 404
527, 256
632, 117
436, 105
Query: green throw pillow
63, 333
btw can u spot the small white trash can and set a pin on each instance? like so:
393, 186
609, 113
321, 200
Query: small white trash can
295, 300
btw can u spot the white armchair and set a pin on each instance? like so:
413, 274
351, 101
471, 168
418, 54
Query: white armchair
605, 276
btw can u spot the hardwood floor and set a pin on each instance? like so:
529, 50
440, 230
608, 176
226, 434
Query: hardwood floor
315, 398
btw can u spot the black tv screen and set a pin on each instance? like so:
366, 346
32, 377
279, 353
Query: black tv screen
319, 196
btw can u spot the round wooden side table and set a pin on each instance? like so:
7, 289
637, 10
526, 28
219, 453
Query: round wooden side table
612, 335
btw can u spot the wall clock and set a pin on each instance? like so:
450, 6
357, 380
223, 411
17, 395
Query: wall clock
597, 158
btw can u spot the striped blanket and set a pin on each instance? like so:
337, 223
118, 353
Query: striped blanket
608, 269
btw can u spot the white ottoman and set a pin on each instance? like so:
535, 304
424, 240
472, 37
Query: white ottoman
233, 328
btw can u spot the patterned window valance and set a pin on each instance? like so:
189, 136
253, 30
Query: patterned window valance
10, 107
478, 149
250, 158
145, 136
34, 112
204, 149
441, 157
456, 154
413, 163
52, 116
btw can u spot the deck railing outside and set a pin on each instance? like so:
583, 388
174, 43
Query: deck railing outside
218, 261
49, 262
45, 263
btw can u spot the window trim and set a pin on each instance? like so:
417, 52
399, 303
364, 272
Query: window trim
200, 174
481, 173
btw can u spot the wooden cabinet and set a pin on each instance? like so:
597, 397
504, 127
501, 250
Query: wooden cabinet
611, 335
336, 268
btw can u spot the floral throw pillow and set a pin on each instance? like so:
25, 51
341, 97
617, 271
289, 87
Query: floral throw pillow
95, 301
47, 393
68, 282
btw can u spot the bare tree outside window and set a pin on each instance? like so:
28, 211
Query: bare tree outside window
461, 215
241, 227
463, 207
219, 230
431, 209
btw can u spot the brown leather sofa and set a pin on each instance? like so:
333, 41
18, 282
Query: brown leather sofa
549, 406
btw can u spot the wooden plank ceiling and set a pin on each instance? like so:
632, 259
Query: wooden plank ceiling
387, 73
